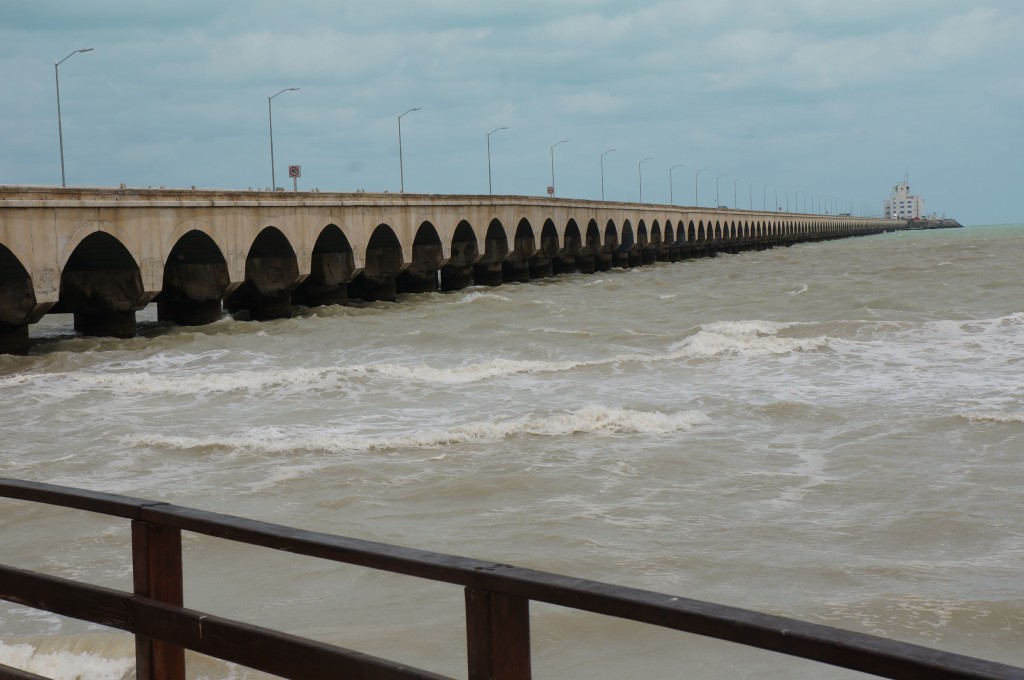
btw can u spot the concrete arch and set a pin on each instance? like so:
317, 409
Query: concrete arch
593, 236
550, 243
488, 268
572, 252
457, 270
331, 266
627, 254
17, 303
271, 273
101, 284
195, 279
384, 261
426, 259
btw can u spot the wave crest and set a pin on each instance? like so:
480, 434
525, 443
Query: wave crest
596, 420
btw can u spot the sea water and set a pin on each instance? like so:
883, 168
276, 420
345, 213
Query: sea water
831, 432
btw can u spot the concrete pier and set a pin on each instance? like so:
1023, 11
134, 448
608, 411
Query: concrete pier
102, 254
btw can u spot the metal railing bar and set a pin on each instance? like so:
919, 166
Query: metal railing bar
8, 673
856, 651
282, 654
73, 498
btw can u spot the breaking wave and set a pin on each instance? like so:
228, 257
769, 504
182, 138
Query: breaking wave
736, 338
597, 420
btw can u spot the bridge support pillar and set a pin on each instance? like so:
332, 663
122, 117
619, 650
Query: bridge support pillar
584, 262
374, 288
187, 312
541, 267
620, 258
411, 281
603, 261
106, 323
268, 307
487, 274
14, 339
456, 277
564, 263
515, 271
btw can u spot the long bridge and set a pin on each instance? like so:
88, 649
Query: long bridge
102, 254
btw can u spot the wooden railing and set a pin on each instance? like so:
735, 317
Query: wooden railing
497, 598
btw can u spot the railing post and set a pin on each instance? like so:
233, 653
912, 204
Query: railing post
157, 574
498, 636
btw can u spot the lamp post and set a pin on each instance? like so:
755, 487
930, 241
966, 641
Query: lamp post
562, 141
602, 171
401, 167
670, 201
718, 183
60, 129
270, 116
503, 127
696, 199
640, 174
735, 205
750, 193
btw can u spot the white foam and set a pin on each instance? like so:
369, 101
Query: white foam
65, 665
598, 420
746, 338
976, 417
478, 296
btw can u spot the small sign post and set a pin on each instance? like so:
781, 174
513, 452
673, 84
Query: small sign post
295, 172
551, 191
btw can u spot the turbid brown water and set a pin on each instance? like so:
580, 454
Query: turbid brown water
831, 432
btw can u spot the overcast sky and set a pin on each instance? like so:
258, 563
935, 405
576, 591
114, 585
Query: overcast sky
806, 98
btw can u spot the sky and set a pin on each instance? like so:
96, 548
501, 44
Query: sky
824, 104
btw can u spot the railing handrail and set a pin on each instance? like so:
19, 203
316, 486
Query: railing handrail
817, 642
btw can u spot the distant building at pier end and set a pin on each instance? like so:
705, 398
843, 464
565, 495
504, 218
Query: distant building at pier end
902, 205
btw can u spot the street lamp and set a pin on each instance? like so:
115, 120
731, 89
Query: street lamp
563, 141
718, 201
602, 171
696, 199
640, 174
60, 130
736, 181
401, 168
750, 193
670, 201
270, 116
503, 127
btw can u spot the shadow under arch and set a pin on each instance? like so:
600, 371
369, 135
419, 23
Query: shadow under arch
331, 267
383, 263
102, 286
611, 244
566, 261
627, 254
421, 276
17, 303
195, 279
457, 272
542, 264
488, 269
517, 265
271, 273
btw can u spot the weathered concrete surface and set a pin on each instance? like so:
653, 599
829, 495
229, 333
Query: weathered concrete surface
103, 253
